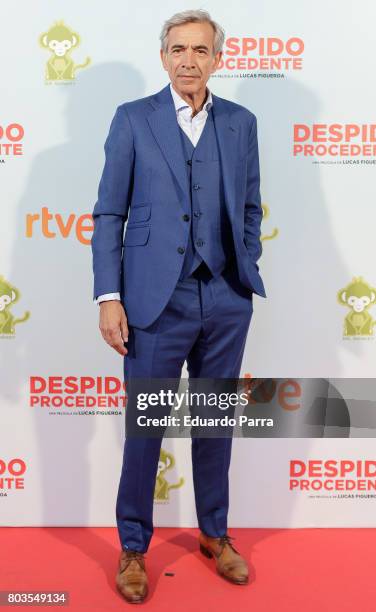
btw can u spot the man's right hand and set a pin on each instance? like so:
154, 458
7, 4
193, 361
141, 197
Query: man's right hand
114, 325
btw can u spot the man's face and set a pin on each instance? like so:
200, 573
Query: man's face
189, 60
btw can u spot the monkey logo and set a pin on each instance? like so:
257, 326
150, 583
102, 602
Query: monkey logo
359, 296
265, 215
8, 296
60, 41
162, 487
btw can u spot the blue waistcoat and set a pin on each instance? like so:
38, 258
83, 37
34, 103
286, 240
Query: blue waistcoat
210, 237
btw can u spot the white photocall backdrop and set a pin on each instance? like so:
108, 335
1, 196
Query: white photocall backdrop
306, 71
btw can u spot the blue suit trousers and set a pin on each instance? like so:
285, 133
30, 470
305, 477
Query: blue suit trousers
205, 323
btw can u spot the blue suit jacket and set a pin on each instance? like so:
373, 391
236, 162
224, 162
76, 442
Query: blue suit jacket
144, 182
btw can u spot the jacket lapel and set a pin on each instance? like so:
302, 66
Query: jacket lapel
164, 125
227, 143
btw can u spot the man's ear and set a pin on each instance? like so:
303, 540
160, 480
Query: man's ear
163, 58
218, 57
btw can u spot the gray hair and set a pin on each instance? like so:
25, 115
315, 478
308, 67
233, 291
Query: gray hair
194, 16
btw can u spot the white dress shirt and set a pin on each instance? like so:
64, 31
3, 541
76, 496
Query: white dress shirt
193, 127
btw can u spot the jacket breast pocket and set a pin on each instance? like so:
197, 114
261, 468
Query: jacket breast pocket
136, 236
139, 212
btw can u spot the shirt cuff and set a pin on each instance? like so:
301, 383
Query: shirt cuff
107, 296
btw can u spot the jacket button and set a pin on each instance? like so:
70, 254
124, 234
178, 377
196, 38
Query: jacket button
181, 250
200, 242
186, 217
189, 162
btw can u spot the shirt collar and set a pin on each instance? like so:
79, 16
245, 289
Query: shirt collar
180, 103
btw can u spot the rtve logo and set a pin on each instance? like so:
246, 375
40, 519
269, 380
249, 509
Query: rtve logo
53, 225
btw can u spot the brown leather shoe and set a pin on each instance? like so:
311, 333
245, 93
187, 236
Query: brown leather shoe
131, 579
229, 563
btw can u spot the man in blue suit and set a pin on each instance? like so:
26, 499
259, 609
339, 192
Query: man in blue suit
182, 169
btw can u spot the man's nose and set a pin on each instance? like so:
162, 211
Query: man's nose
188, 59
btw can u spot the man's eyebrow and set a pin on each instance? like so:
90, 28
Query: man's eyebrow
193, 47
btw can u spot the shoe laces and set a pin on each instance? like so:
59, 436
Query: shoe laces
226, 539
133, 555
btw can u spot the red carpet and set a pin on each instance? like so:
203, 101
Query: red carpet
292, 570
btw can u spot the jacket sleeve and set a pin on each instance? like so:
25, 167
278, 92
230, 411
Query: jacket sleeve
111, 209
253, 210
